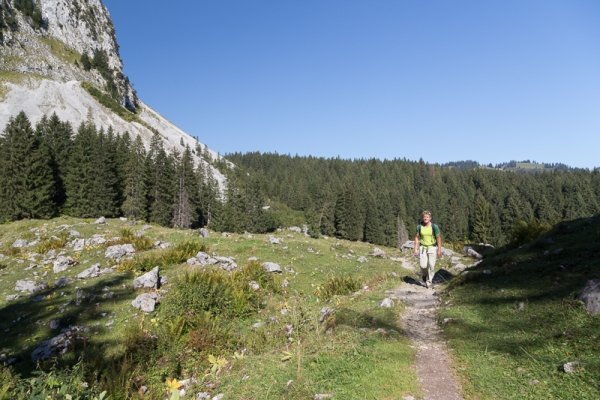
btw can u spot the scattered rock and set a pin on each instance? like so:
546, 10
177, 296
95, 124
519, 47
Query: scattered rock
12, 297
362, 259
54, 324
100, 221
285, 283
95, 240
325, 313
119, 250
149, 280
74, 233
145, 302
387, 303
58, 345
77, 244
146, 227
408, 245
590, 295
226, 263
571, 367
257, 325
295, 229
254, 285
487, 272
123, 219
252, 259
203, 396
469, 251
226, 234
558, 251
19, 243
272, 267
138, 234
521, 306
62, 282
30, 286
93, 272
377, 252
204, 232
274, 240
322, 396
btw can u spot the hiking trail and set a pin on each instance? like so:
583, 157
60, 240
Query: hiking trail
420, 324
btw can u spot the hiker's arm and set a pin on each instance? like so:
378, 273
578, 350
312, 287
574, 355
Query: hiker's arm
439, 245
416, 249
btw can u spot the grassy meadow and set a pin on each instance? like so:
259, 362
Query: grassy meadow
209, 327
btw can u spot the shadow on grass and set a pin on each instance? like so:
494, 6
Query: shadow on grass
25, 322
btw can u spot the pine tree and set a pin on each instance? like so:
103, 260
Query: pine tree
122, 154
401, 233
482, 227
104, 196
134, 206
159, 182
372, 231
26, 180
186, 200
79, 181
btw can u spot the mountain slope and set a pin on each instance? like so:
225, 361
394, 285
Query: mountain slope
41, 72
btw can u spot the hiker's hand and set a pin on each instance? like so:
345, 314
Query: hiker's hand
439, 253
416, 253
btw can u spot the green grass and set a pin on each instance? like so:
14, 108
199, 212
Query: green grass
60, 50
343, 355
516, 327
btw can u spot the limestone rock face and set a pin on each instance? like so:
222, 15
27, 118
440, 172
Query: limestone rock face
590, 295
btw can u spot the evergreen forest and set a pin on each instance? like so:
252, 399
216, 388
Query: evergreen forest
49, 169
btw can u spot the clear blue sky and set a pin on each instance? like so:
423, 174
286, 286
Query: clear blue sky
490, 81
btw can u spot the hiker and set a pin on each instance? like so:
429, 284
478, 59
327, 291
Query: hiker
428, 243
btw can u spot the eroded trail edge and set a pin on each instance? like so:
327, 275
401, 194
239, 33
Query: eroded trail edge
420, 324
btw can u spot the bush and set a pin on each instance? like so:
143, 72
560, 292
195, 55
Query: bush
525, 232
338, 286
51, 244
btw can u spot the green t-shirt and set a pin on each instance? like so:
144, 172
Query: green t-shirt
427, 235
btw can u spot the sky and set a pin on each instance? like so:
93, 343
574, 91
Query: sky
490, 81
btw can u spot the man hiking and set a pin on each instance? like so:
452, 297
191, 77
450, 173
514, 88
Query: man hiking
428, 243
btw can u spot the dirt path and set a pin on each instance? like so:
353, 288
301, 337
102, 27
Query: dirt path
420, 324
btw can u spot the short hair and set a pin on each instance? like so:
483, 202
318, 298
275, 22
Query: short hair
427, 213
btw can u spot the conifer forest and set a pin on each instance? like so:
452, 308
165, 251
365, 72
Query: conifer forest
49, 169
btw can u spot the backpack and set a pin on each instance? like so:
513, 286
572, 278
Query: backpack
433, 226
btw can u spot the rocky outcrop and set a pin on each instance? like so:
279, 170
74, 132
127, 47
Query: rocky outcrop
590, 295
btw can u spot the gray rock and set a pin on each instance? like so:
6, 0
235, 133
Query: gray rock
225, 234
19, 243
228, 264
204, 232
193, 261
590, 295
100, 221
74, 233
62, 263
571, 367
30, 286
205, 259
12, 297
95, 240
138, 234
458, 268
408, 245
166, 245
322, 396
295, 229
58, 345
62, 282
558, 251
362, 259
252, 259
325, 313
91, 272
274, 240
454, 260
119, 250
487, 272
305, 231
77, 244
387, 303
203, 396
146, 227
377, 252
469, 251
254, 285
220, 396
149, 280
123, 219
285, 283
447, 252
54, 324
272, 267
146, 302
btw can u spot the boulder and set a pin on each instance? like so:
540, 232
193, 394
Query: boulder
62, 282
145, 302
590, 295
95, 240
58, 345
91, 272
77, 244
19, 243
119, 250
447, 252
377, 252
387, 303
469, 251
272, 267
100, 221
571, 367
205, 259
362, 259
204, 232
408, 245
274, 240
62, 263
149, 280
458, 268
193, 261
228, 264
325, 313
74, 233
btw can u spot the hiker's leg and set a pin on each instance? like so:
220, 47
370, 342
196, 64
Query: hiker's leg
431, 259
423, 262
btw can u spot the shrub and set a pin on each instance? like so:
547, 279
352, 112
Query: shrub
338, 286
51, 244
525, 232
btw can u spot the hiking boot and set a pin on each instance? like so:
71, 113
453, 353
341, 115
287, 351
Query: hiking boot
429, 285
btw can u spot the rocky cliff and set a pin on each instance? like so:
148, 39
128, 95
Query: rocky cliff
62, 56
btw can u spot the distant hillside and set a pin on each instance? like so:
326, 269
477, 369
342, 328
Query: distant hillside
525, 166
